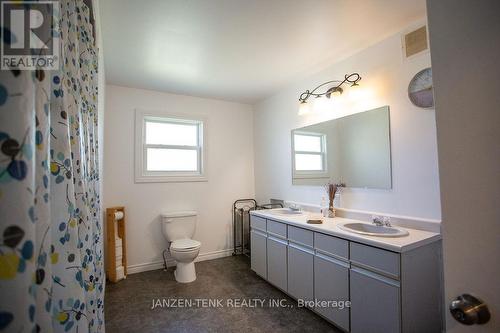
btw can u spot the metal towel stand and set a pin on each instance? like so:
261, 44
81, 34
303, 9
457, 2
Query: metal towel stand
241, 223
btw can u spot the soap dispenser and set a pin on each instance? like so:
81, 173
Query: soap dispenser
323, 207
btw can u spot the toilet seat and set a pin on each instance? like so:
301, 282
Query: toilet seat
186, 244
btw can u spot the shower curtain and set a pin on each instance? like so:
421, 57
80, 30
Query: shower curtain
51, 256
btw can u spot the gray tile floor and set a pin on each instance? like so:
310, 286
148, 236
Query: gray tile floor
128, 303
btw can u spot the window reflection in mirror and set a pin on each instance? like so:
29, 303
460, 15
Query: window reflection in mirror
355, 150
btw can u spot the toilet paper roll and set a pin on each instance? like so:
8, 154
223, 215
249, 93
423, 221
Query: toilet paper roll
118, 215
120, 273
119, 251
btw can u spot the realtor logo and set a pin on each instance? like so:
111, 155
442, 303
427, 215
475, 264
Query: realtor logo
28, 41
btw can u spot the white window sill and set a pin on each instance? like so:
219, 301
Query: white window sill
170, 179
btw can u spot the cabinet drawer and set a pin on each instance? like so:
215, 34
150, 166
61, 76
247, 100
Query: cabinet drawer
257, 222
333, 246
276, 229
374, 259
300, 236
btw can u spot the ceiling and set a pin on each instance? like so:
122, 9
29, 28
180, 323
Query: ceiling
239, 50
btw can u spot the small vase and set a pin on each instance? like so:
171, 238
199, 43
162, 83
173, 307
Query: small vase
331, 212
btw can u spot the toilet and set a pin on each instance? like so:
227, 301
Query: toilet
178, 228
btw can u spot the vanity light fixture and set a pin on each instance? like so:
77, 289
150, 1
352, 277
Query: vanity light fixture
349, 79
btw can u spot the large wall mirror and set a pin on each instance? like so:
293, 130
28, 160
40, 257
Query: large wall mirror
355, 150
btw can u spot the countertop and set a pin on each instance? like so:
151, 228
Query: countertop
415, 238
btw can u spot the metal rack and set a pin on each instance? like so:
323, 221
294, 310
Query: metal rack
241, 223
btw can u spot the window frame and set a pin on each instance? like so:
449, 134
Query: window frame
308, 174
142, 175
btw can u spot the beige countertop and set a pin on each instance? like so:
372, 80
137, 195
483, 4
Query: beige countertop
330, 226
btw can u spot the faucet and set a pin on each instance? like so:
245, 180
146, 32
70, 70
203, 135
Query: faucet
294, 207
381, 221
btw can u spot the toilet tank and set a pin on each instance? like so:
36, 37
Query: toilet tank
178, 225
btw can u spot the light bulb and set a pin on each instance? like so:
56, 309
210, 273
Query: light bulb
304, 108
321, 104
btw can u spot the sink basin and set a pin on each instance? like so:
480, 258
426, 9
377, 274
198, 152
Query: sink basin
373, 230
285, 211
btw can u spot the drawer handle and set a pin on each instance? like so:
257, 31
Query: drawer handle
375, 276
277, 240
276, 235
300, 248
332, 260
258, 232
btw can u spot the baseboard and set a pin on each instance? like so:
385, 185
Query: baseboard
151, 266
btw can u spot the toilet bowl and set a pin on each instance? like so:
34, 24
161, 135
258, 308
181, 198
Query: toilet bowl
178, 228
184, 252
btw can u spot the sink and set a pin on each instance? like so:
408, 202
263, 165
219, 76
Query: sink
373, 230
285, 211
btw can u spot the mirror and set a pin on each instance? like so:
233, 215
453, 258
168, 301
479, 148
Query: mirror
355, 150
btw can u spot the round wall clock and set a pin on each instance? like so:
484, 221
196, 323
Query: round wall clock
420, 89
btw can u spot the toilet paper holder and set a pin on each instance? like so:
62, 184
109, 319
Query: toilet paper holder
115, 237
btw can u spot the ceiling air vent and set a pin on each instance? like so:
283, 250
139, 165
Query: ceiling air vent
415, 42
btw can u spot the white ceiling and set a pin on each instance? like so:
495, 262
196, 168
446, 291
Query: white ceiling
239, 50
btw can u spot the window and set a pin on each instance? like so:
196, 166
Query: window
309, 154
169, 148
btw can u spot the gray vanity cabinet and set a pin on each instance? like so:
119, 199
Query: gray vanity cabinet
277, 254
331, 277
300, 263
375, 290
258, 262
388, 291
258, 242
300, 272
331, 283
375, 303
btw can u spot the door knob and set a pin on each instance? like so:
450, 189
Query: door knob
469, 310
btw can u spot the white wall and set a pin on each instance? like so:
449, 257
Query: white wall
385, 78
230, 173
465, 53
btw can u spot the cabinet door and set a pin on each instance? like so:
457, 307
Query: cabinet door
331, 283
375, 303
276, 262
300, 272
258, 260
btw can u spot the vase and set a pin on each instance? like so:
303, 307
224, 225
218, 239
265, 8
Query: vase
331, 212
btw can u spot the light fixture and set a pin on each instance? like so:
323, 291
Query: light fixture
349, 79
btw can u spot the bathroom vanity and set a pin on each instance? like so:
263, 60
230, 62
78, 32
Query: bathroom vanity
393, 283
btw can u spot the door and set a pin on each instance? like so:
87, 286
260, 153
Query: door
300, 272
276, 262
375, 303
258, 260
331, 283
464, 52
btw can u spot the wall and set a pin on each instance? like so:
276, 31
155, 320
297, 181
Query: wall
385, 78
230, 173
465, 53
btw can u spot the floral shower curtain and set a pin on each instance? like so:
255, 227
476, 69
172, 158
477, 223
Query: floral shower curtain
51, 256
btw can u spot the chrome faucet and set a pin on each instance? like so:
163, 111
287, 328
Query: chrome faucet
294, 207
381, 221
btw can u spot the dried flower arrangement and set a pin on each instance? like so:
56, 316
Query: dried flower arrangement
331, 189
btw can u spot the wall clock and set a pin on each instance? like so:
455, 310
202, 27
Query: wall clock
420, 89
